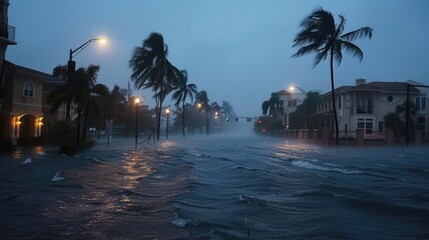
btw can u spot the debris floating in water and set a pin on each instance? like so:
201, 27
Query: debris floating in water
27, 161
58, 176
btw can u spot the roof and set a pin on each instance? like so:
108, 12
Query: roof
283, 92
396, 87
45, 77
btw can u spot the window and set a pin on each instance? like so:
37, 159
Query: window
28, 89
364, 105
339, 102
381, 126
294, 103
289, 103
366, 124
421, 103
282, 102
389, 98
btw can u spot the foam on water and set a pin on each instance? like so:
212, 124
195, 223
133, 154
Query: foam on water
180, 222
307, 165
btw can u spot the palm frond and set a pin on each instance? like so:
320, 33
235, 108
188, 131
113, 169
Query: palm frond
352, 49
320, 55
307, 49
357, 34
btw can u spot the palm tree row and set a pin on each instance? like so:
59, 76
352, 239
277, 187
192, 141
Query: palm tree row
152, 69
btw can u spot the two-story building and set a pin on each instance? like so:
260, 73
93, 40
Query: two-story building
364, 106
25, 112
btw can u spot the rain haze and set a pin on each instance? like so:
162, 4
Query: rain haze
238, 51
80, 160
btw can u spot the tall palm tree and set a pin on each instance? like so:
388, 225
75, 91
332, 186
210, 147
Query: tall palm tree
86, 80
151, 69
321, 35
203, 99
183, 90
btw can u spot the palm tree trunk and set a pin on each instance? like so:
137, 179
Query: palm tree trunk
183, 118
333, 98
159, 113
85, 123
79, 114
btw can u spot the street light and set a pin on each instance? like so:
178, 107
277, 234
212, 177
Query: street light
71, 65
136, 101
167, 111
292, 88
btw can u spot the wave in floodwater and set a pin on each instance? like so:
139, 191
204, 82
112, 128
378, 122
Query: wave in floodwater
217, 187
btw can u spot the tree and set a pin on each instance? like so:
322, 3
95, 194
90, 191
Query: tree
203, 99
63, 94
183, 90
151, 69
321, 35
273, 109
87, 88
295, 118
396, 120
228, 110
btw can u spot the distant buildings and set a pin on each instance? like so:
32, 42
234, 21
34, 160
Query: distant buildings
289, 101
364, 106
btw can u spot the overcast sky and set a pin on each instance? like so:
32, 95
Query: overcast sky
239, 51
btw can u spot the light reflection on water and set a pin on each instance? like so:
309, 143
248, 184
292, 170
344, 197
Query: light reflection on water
221, 188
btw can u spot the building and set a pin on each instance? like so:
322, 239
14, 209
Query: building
7, 33
289, 102
364, 106
25, 112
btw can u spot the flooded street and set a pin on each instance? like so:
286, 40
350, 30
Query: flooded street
218, 187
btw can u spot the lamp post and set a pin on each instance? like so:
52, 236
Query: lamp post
136, 101
167, 111
71, 66
292, 88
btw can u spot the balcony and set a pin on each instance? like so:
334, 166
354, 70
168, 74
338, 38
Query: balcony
8, 35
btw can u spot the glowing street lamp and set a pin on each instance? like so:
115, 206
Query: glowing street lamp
167, 111
136, 101
292, 88
72, 65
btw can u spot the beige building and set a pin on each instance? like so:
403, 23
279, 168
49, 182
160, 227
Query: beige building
364, 106
25, 112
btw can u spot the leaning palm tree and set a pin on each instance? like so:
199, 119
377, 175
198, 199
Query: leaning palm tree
272, 106
321, 35
183, 90
151, 69
203, 99
62, 94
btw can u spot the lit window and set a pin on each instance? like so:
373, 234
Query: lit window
28, 89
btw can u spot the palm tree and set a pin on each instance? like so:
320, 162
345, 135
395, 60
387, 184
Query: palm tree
321, 35
151, 69
62, 94
272, 106
203, 99
86, 80
183, 90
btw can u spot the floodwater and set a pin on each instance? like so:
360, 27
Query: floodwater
218, 187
